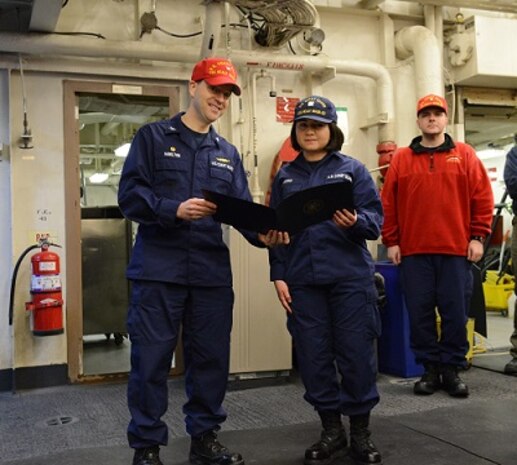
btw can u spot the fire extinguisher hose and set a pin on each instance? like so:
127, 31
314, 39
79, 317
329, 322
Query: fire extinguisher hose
13, 280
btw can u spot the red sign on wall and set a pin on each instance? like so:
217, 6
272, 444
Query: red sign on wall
285, 109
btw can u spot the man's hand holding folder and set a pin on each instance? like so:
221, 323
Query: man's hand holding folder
293, 214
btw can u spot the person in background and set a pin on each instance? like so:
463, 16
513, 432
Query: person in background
180, 267
510, 179
438, 207
325, 281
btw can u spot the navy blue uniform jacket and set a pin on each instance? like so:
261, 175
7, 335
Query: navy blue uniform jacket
510, 176
160, 172
324, 253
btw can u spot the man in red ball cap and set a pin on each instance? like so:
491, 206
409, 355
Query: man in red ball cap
438, 207
434, 101
180, 267
216, 72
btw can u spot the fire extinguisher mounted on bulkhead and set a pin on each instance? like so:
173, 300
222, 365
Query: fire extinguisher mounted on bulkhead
46, 302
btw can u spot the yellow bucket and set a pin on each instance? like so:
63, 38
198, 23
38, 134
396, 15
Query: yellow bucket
498, 293
470, 336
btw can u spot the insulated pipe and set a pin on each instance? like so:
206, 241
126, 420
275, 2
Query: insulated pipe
256, 192
423, 45
438, 14
429, 18
49, 44
434, 21
379, 73
212, 29
506, 6
53, 44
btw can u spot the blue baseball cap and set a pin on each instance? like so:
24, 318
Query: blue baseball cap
316, 108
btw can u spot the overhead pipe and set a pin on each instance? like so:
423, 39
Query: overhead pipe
433, 17
54, 44
211, 29
420, 42
256, 191
504, 6
375, 71
50, 44
430, 18
45, 44
385, 104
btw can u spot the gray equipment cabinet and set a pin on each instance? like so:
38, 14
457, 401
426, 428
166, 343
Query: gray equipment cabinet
106, 241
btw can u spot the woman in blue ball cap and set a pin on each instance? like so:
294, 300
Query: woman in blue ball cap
325, 281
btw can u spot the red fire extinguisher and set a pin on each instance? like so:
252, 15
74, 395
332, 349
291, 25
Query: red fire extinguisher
47, 301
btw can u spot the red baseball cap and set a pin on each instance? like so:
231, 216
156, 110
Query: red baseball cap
431, 100
216, 72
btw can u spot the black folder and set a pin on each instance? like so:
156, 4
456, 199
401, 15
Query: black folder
293, 214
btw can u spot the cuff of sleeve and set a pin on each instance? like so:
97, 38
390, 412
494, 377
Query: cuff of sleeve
389, 243
276, 273
167, 213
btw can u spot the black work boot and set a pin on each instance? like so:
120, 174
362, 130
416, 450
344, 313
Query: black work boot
332, 444
452, 383
511, 367
207, 450
430, 380
362, 449
147, 456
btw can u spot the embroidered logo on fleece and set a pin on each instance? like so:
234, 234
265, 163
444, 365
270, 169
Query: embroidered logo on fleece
453, 159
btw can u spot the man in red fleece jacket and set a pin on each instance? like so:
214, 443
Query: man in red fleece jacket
438, 206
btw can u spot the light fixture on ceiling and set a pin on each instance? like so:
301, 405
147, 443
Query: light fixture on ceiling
122, 150
98, 178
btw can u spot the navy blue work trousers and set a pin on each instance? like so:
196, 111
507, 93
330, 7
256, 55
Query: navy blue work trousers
443, 283
157, 313
333, 328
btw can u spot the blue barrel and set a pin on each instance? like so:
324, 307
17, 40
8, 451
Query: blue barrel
394, 354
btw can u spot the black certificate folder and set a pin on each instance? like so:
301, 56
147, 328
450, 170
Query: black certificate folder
293, 214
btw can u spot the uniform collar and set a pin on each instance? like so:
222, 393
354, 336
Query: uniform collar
302, 162
417, 147
175, 126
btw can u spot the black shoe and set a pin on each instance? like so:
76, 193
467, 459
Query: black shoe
333, 444
511, 367
452, 383
207, 450
362, 449
147, 456
430, 380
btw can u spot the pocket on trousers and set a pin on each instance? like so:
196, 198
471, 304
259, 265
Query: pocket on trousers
375, 326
